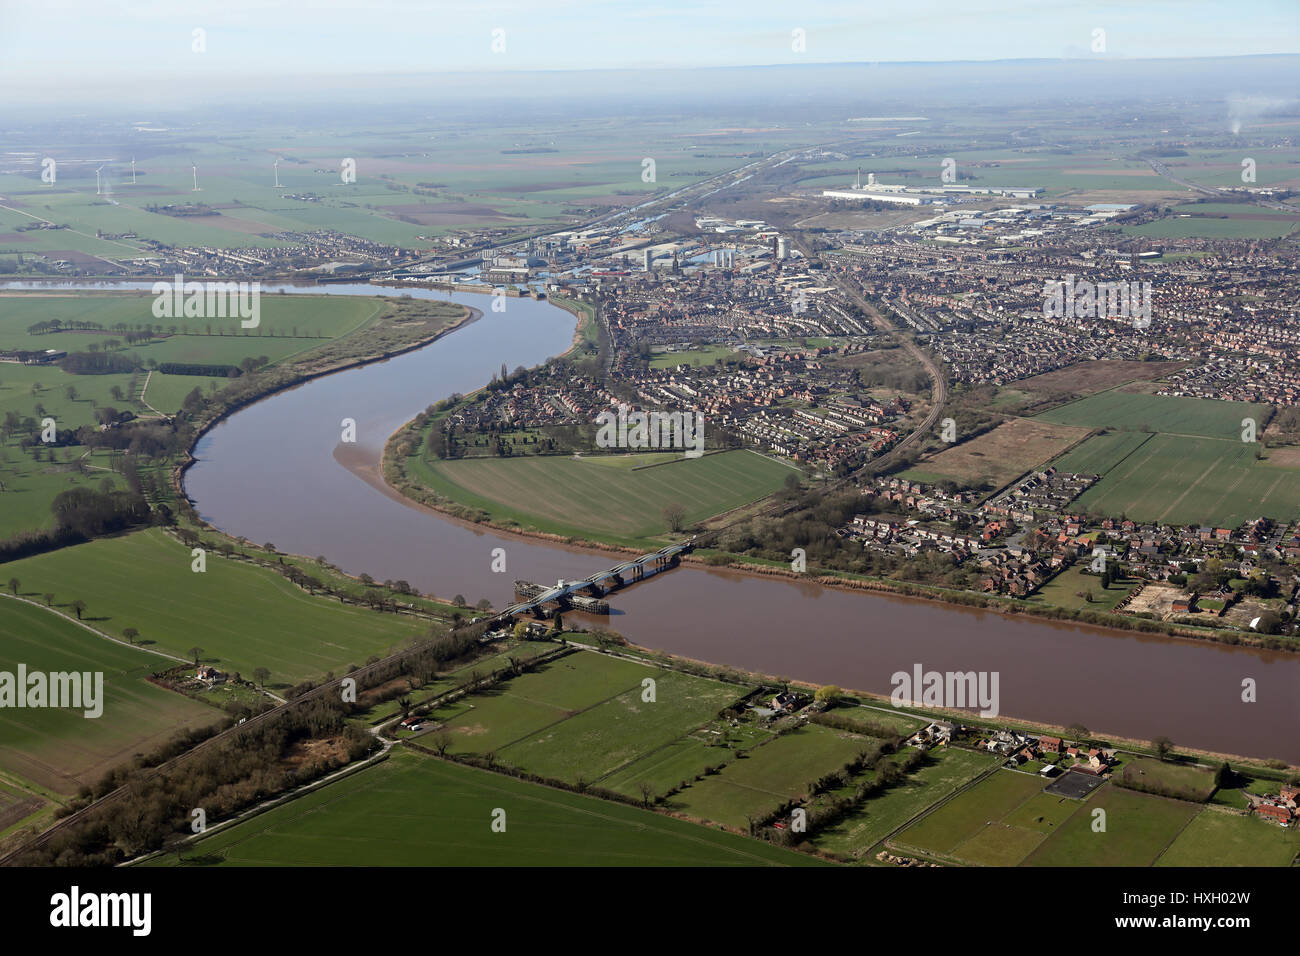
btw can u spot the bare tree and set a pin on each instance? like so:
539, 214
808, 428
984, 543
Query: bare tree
675, 514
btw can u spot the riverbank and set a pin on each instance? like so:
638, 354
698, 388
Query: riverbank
870, 700
397, 481
1050, 668
297, 378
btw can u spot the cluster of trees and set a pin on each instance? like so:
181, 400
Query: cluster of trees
222, 778
810, 522
88, 513
195, 368
98, 363
829, 810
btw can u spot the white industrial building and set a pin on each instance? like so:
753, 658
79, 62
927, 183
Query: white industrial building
861, 195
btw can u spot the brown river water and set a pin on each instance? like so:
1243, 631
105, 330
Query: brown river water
277, 472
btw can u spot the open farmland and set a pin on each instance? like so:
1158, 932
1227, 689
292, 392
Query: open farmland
290, 324
242, 616
62, 750
769, 775
579, 497
603, 739
1138, 829
1249, 222
970, 813
281, 316
1100, 453
1158, 413
996, 457
409, 186
414, 810
1179, 480
1176, 460
945, 771
513, 711
1221, 838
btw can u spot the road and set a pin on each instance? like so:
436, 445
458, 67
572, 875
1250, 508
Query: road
1162, 170
938, 380
329, 687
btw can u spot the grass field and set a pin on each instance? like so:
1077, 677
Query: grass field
769, 775
1138, 829
242, 616
556, 691
580, 497
60, 749
1218, 838
1184, 781
998, 456
290, 324
899, 721
507, 649
414, 810
287, 324
682, 760
609, 736
1194, 469
1195, 481
945, 772
1197, 417
1064, 589
695, 357
970, 812
1233, 227
1100, 453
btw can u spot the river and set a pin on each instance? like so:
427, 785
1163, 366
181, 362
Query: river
277, 472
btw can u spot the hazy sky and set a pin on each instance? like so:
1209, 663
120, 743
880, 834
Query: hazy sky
48, 43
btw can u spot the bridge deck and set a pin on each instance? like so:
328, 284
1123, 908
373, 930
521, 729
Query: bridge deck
571, 588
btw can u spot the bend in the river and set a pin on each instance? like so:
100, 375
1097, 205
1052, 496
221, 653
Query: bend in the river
276, 471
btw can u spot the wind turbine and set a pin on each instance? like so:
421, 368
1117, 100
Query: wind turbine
132, 170
196, 180
276, 164
97, 180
